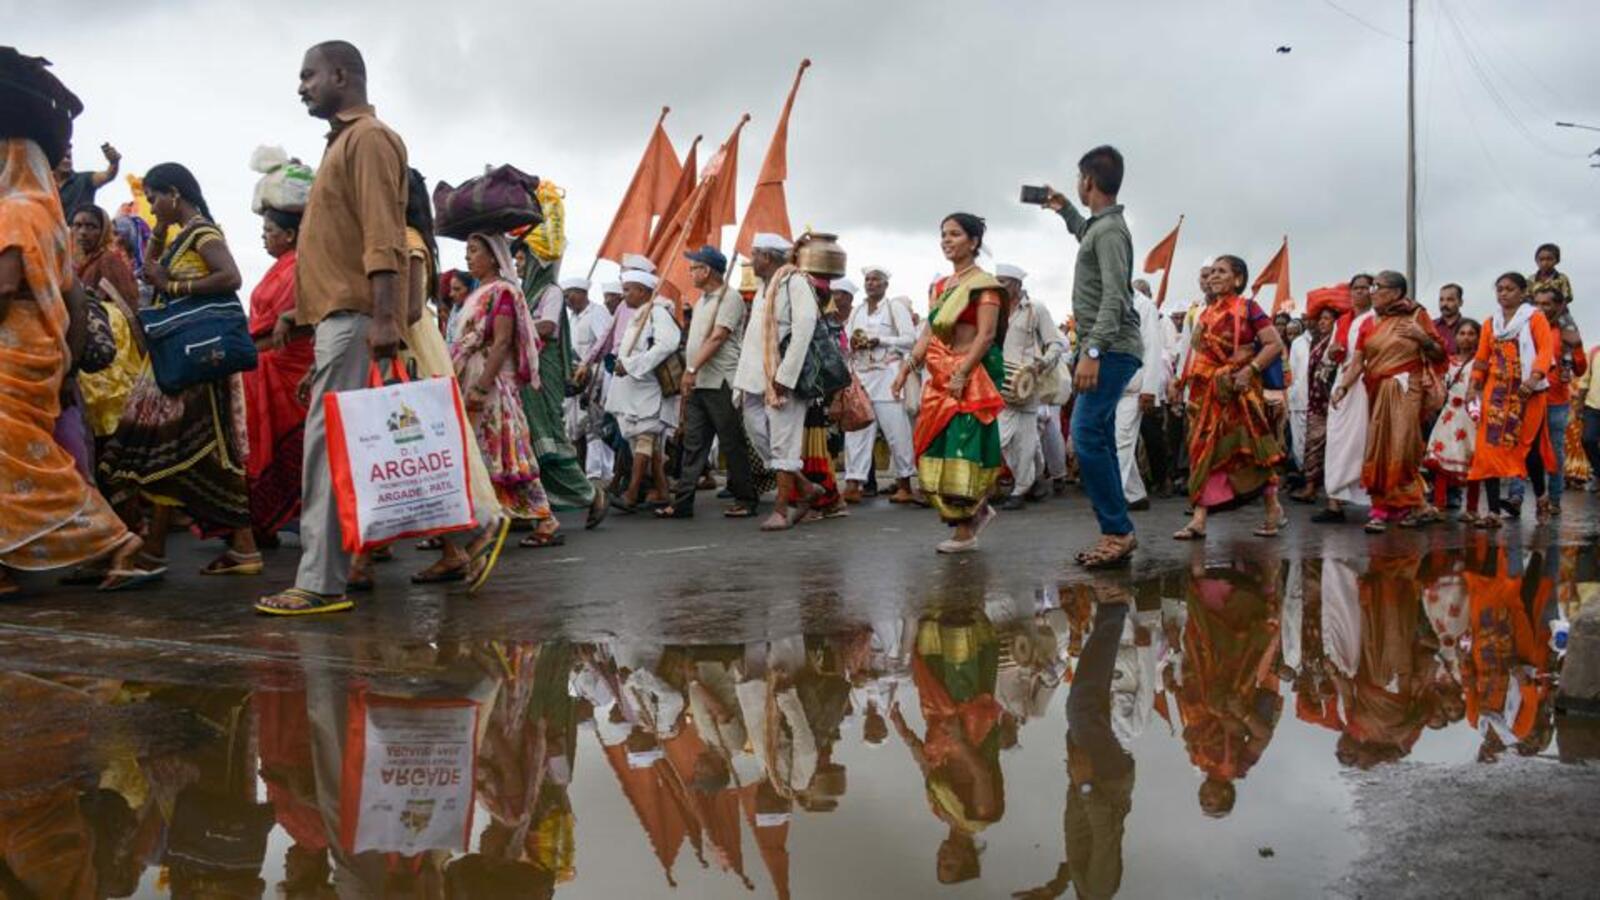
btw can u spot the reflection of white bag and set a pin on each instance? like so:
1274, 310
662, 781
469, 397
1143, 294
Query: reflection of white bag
398, 457
285, 183
409, 767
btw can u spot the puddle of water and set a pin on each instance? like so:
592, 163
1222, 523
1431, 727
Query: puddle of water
1183, 735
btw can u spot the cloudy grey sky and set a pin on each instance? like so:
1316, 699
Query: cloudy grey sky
916, 109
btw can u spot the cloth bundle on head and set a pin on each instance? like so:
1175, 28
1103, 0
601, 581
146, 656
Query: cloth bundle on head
637, 263
35, 105
766, 240
1336, 298
1006, 270
869, 271
574, 284
285, 183
844, 285
643, 279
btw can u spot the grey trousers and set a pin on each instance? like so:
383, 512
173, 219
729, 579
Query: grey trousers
711, 413
342, 364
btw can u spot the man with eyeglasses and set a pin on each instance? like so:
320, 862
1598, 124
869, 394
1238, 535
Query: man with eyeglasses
1348, 420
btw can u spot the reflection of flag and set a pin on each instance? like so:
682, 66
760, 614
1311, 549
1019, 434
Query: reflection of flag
1160, 260
647, 196
698, 220
1276, 272
768, 211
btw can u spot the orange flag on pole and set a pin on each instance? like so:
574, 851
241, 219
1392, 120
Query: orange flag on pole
687, 179
647, 196
768, 211
698, 220
1276, 272
1160, 260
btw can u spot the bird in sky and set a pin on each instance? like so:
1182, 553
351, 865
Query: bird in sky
1285, 49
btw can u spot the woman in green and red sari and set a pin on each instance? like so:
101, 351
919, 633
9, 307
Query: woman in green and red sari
955, 668
1233, 447
957, 434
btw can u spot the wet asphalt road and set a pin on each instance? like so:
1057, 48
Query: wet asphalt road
709, 580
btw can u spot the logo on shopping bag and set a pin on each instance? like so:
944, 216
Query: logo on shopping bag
416, 816
404, 426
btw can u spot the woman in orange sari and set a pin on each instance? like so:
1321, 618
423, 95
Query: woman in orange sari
1233, 447
1510, 377
957, 433
53, 517
1395, 358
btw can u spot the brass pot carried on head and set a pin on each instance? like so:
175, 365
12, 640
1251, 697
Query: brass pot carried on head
819, 254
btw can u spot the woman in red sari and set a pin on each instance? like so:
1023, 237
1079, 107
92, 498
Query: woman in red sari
1396, 359
277, 418
1233, 447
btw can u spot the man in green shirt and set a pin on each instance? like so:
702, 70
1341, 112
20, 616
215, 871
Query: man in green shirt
1109, 344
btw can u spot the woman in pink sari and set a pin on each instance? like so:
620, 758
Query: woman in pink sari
276, 417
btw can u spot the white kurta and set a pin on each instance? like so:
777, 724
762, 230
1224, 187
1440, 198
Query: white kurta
1299, 396
890, 324
635, 398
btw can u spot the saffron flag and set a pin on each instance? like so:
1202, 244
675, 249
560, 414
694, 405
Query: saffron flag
647, 197
768, 210
687, 179
1276, 272
697, 221
1160, 260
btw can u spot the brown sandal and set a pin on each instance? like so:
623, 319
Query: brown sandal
1110, 554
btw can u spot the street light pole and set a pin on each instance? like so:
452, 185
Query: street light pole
1411, 145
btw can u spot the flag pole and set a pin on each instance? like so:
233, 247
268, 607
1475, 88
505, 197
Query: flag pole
1161, 295
662, 118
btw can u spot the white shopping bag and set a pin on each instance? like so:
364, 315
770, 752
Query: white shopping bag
409, 770
398, 457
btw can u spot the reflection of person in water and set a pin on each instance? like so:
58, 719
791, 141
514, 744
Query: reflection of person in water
524, 769
1229, 696
954, 667
1501, 673
46, 849
1393, 694
1100, 770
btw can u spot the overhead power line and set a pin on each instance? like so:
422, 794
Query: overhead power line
1364, 23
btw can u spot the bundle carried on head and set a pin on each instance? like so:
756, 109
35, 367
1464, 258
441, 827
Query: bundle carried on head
500, 200
34, 104
285, 183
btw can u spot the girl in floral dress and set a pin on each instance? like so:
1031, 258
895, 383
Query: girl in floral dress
1456, 430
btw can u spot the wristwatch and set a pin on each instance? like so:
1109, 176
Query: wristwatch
1094, 352
691, 370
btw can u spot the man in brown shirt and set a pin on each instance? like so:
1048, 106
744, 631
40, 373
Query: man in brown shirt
350, 280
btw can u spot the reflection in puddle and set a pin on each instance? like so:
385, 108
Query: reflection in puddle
876, 758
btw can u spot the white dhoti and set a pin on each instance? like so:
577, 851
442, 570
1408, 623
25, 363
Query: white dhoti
778, 434
889, 416
1128, 420
1019, 446
1053, 442
1347, 444
1299, 420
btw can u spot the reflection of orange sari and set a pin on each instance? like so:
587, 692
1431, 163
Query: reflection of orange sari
1505, 652
1391, 470
53, 518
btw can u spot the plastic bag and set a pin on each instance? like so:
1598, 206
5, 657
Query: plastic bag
285, 183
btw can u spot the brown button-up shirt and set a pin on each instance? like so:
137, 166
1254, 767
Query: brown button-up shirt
355, 221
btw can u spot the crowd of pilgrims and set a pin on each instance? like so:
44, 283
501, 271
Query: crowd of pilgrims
1365, 400
712, 741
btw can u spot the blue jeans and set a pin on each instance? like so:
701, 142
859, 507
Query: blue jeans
1560, 417
1094, 436
1557, 419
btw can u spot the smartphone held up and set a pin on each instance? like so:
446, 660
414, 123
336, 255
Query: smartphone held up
1036, 194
